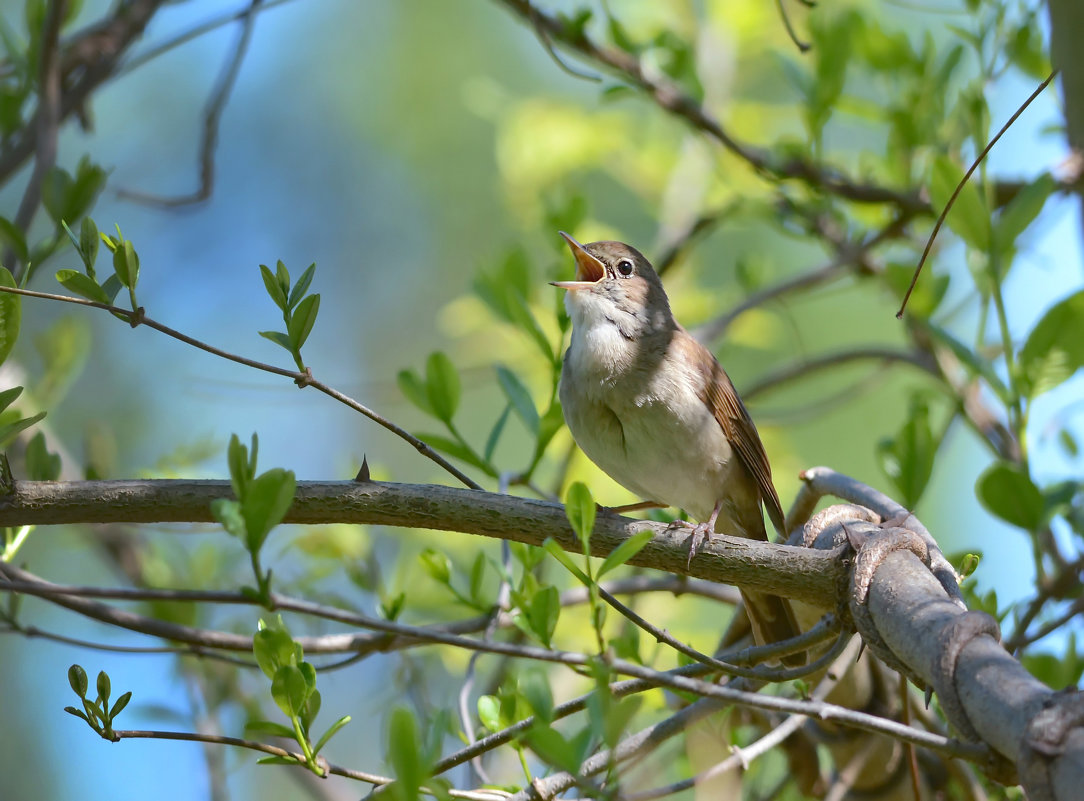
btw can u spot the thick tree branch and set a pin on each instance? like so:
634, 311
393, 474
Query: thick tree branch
793, 572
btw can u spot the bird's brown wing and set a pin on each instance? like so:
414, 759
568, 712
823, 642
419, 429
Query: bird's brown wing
719, 394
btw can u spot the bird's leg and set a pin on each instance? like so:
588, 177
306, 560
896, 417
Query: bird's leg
701, 532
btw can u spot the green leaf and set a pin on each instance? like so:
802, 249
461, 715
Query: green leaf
118, 707
8, 397
495, 433
120, 264
580, 510
82, 284
558, 553
228, 512
548, 427
273, 647
437, 565
312, 704
77, 678
625, 551
458, 450
89, 242
54, 191
542, 613
12, 430
976, 364
241, 470
111, 287
71, 710
1022, 210
104, 688
302, 320
10, 315
290, 690
1008, 492
553, 749
413, 389
928, 293
521, 315
40, 464
274, 289
908, 458
969, 217
489, 712
331, 732
519, 397
302, 285
404, 753
267, 499
477, 574
268, 727
12, 237
279, 339
535, 686
442, 386
282, 275
1055, 348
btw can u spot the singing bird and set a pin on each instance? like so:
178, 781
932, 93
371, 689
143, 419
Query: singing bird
656, 411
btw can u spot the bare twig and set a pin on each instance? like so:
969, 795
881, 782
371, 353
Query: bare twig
963, 182
47, 118
212, 116
138, 317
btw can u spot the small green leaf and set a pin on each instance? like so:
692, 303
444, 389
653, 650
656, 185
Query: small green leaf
331, 732
104, 688
273, 647
542, 613
118, 707
269, 727
89, 242
120, 264
12, 237
282, 275
10, 315
519, 397
228, 512
1054, 350
311, 707
279, 338
1007, 491
413, 389
111, 287
77, 678
535, 686
458, 450
553, 749
404, 753
11, 430
8, 397
968, 218
82, 284
437, 565
555, 550
302, 285
580, 509
290, 690
41, 465
71, 710
442, 386
489, 712
302, 320
267, 499
274, 289
624, 552
1022, 210
477, 574
908, 458
495, 433
237, 460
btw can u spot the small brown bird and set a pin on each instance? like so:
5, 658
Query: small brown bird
653, 408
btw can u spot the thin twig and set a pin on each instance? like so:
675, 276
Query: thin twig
212, 117
48, 118
137, 317
960, 186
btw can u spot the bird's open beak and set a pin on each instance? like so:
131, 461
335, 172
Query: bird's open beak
589, 270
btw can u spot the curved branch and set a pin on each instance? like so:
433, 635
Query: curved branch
798, 370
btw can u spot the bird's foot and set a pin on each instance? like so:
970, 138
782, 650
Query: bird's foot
700, 533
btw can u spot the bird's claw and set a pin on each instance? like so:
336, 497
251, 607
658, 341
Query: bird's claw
700, 533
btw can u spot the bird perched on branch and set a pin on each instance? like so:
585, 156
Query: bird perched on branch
654, 409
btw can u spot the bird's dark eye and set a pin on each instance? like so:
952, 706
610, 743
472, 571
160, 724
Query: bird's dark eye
624, 267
